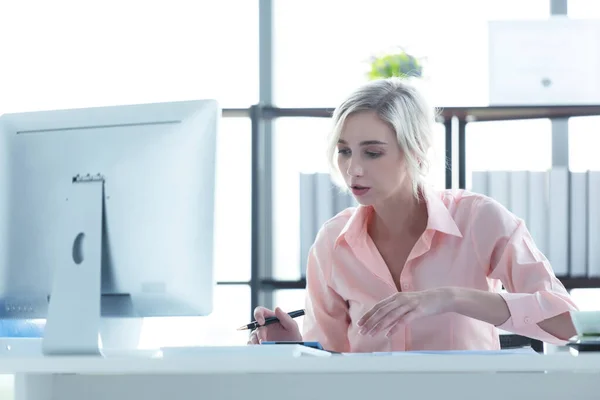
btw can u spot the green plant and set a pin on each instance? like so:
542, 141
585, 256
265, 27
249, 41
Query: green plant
398, 64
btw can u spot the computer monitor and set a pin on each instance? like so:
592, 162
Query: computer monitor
106, 212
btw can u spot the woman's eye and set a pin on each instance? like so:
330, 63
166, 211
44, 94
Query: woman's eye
344, 151
372, 154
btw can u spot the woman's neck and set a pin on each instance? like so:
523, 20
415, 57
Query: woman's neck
400, 215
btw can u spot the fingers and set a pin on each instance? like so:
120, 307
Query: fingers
257, 336
260, 313
394, 330
262, 333
375, 309
375, 315
254, 338
394, 317
285, 320
408, 317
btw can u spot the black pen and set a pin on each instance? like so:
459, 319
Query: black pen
269, 321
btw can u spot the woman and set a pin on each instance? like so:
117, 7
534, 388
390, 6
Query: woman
412, 268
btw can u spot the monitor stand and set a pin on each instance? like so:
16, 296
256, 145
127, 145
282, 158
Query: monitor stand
74, 325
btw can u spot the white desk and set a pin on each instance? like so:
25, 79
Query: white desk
230, 376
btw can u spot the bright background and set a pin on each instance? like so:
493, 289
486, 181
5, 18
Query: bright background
65, 54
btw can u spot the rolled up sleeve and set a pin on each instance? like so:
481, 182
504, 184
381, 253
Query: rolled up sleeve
327, 318
534, 292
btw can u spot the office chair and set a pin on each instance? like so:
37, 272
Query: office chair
510, 341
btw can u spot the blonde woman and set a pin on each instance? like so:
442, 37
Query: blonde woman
412, 268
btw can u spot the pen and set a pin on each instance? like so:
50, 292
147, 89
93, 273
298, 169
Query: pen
270, 320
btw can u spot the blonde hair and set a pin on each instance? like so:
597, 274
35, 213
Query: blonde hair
404, 108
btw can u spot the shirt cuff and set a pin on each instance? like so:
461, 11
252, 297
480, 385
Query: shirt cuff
524, 311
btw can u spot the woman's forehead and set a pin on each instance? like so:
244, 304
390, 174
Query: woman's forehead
366, 126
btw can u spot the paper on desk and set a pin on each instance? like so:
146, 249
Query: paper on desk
523, 350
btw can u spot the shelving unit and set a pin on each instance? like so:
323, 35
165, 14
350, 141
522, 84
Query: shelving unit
259, 114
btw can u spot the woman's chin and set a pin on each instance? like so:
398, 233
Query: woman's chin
365, 200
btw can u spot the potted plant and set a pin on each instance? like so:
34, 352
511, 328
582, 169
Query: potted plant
395, 64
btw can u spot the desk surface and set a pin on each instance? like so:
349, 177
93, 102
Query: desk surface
231, 364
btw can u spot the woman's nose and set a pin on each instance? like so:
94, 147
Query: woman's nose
354, 168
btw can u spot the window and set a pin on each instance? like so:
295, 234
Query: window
583, 9
231, 310
7, 387
233, 201
77, 55
437, 157
586, 299
583, 143
509, 146
315, 65
299, 147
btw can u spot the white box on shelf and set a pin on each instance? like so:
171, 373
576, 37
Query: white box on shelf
558, 221
593, 224
578, 224
552, 61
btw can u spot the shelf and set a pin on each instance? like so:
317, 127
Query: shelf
580, 283
504, 113
469, 114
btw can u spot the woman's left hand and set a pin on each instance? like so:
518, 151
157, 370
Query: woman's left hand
402, 308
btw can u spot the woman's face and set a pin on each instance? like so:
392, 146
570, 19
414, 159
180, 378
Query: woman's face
370, 159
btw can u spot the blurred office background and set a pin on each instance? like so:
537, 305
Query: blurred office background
277, 66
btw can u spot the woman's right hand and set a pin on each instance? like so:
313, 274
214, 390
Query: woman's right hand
286, 330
